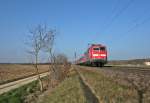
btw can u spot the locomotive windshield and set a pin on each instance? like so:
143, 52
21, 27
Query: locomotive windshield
100, 48
96, 48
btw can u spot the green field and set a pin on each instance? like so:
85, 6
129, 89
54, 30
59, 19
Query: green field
18, 95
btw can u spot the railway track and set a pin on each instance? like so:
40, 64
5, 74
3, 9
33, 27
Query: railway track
134, 70
18, 83
124, 69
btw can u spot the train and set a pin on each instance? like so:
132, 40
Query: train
95, 55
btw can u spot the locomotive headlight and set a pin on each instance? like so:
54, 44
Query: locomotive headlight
95, 54
103, 54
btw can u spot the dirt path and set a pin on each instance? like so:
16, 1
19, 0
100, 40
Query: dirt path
16, 84
88, 91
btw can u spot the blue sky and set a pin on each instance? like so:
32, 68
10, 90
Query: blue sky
121, 25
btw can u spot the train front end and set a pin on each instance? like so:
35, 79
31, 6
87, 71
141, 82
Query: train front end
98, 55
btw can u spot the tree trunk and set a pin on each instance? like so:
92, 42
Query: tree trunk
37, 71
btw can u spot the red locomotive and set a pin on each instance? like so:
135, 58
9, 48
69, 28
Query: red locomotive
96, 55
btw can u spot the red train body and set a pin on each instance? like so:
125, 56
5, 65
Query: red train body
96, 55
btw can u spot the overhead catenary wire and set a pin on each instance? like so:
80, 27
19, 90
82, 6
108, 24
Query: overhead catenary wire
114, 10
115, 7
138, 24
121, 11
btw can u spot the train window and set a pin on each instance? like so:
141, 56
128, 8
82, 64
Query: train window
96, 48
102, 48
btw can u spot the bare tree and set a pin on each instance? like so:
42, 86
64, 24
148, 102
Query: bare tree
48, 43
36, 37
42, 39
56, 72
61, 59
61, 66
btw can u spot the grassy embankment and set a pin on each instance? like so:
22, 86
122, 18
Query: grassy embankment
109, 91
72, 90
69, 91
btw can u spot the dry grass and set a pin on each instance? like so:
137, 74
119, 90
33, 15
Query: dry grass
108, 91
69, 91
119, 86
10, 72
